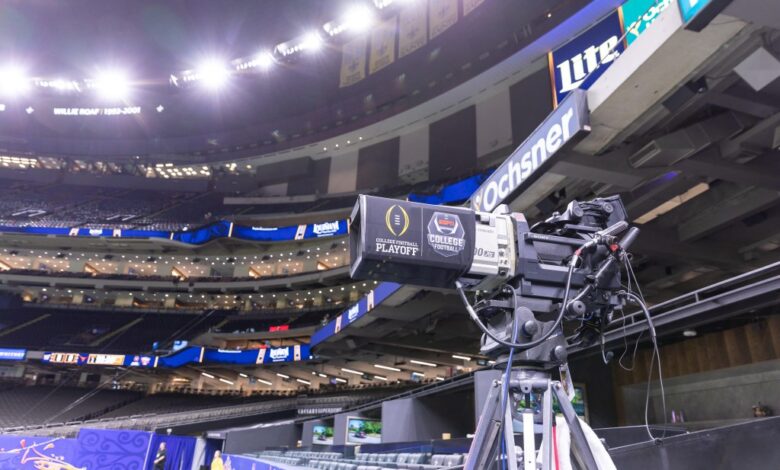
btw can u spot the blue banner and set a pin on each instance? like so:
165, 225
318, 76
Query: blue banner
199, 236
355, 311
326, 229
139, 360
454, 193
299, 352
203, 234
581, 61
231, 356
191, 355
7, 354
265, 234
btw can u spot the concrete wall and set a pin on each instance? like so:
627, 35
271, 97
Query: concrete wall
254, 440
718, 395
421, 419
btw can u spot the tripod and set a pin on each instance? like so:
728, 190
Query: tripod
525, 381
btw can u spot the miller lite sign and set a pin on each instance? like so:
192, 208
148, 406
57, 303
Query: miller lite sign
579, 62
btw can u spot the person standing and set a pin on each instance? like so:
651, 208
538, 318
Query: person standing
159, 459
216, 462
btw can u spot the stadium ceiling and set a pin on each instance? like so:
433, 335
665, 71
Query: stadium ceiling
170, 58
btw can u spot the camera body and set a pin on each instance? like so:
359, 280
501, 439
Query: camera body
514, 269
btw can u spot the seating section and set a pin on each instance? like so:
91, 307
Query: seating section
364, 461
87, 331
40, 404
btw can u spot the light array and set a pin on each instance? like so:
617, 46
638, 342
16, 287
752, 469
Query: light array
213, 73
18, 162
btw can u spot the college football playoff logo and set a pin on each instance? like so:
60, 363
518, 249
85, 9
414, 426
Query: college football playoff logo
397, 220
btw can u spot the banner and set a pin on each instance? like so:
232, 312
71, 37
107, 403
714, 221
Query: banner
65, 358
264, 234
441, 15
353, 61
471, 5
326, 229
382, 45
529, 160
199, 236
106, 359
581, 61
10, 354
637, 15
230, 356
412, 28
299, 352
367, 303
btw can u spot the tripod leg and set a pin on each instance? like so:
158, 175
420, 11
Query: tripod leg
529, 441
509, 438
547, 421
580, 446
486, 434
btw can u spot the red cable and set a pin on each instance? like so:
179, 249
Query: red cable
555, 447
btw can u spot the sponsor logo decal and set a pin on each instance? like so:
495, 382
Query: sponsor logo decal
397, 220
325, 229
353, 312
446, 234
279, 354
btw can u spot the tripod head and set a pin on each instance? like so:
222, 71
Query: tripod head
576, 251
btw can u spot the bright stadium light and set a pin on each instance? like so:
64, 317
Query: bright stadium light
13, 81
264, 60
112, 85
423, 363
312, 42
213, 74
380, 366
358, 18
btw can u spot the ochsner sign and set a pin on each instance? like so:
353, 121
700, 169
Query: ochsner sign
567, 122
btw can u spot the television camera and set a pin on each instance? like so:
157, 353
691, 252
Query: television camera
525, 281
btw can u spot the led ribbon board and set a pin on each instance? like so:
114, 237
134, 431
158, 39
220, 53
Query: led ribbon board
566, 124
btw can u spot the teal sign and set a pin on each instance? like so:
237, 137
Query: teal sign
691, 8
638, 15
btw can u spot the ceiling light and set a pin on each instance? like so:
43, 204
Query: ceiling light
305, 382
689, 333
394, 369
312, 41
340, 380
205, 374
359, 18
323, 376
263, 381
13, 81
226, 381
379, 377
350, 371
243, 375
440, 379
462, 358
423, 363
112, 85
282, 375
264, 60
418, 374
213, 74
